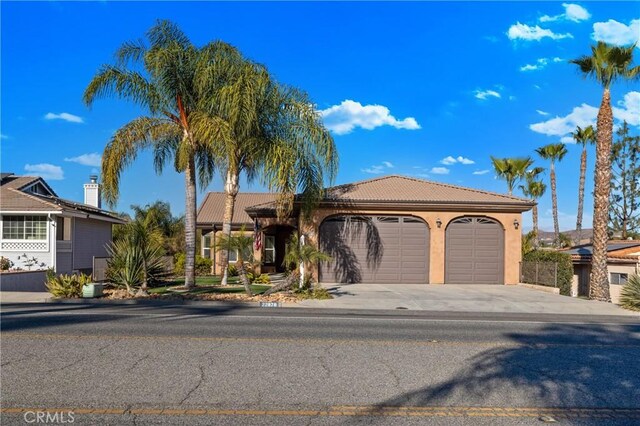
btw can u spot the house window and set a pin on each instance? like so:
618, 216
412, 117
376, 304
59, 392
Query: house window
246, 257
269, 248
24, 228
618, 278
206, 245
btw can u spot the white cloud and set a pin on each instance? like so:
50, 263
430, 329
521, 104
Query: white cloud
439, 171
378, 169
539, 64
64, 116
617, 33
582, 116
46, 171
535, 86
449, 160
342, 119
585, 115
544, 113
572, 12
94, 159
629, 109
481, 172
520, 31
568, 139
485, 94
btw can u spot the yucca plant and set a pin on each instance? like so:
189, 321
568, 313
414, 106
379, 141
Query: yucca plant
66, 286
630, 295
136, 258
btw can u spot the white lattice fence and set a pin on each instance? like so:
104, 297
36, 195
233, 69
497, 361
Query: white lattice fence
25, 246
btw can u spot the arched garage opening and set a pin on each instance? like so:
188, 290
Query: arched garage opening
474, 251
375, 250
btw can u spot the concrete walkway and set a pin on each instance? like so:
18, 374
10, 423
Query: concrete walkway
460, 298
24, 296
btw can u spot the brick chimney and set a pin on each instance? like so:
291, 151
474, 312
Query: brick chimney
92, 192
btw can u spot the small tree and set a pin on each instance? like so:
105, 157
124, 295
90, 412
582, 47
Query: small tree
554, 152
624, 201
241, 242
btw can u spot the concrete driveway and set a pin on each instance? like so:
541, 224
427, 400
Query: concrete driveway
460, 298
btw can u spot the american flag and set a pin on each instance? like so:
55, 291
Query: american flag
257, 235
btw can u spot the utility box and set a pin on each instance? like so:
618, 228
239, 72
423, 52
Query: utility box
92, 290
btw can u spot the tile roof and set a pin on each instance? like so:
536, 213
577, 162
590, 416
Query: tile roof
616, 250
212, 209
396, 188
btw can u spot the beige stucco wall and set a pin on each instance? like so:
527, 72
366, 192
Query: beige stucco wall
615, 289
512, 236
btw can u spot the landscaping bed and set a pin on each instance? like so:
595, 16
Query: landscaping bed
222, 294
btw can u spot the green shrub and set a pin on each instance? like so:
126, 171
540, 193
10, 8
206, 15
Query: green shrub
233, 270
261, 279
565, 266
67, 285
203, 264
630, 295
313, 293
5, 264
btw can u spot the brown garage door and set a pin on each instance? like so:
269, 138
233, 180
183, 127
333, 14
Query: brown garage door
375, 249
474, 251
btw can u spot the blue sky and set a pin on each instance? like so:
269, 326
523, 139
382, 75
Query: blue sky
423, 89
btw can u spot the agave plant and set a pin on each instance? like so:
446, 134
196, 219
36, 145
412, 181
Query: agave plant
66, 286
630, 295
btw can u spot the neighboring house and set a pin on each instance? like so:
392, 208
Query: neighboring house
623, 260
391, 229
60, 234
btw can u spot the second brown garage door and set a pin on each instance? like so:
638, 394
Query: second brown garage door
375, 249
474, 251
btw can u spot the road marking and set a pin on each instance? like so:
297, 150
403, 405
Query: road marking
357, 410
426, 342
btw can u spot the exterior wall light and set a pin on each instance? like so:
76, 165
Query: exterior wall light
438, 223
516, 224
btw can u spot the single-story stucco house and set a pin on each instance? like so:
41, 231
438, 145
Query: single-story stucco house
623, 260
391, 229
61, 234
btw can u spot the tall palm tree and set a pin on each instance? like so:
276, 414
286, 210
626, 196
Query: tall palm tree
606, 64
553, 152
165, 77
511, 170
534, 189
278, 137
584, 137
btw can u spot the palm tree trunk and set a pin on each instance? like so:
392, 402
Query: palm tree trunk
534, 214
190, 225
231, 187
599, 280
583, 172
243, 277
554, 206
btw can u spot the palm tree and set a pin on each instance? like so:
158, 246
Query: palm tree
511, 169
553, 152
241, 242
584, 137
606, 64
277, 136
297, 256
175, 125
534, 189
158, 215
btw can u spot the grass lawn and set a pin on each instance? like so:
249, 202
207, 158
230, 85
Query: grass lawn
205, 285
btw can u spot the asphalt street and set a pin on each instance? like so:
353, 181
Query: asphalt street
216, 364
